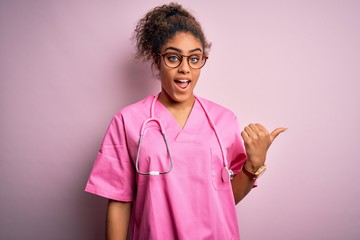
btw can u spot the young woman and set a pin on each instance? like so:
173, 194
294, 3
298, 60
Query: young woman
174, 165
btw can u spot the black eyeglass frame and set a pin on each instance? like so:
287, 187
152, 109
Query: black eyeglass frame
182, 57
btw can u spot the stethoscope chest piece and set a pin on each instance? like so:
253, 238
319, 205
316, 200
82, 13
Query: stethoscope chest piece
227, 174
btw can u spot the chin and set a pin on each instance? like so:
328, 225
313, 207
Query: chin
180, 98
177, 97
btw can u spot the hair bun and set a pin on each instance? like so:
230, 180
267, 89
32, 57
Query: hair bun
175, 12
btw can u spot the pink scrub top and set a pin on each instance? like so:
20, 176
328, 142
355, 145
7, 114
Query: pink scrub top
190, 202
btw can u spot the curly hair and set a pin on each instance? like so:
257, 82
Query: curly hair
161, 24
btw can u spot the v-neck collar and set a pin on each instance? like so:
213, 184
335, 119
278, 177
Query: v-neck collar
173, 129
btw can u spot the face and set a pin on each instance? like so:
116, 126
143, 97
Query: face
178, 83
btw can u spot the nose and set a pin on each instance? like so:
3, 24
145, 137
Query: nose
184, 66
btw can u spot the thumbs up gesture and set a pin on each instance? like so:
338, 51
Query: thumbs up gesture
257, 141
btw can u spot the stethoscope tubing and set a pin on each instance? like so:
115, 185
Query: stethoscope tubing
227, 175
142, 133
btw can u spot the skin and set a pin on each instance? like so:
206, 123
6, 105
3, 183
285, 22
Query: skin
179, 101
117, 220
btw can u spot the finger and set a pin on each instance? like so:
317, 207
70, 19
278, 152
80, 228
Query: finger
249, 131
276, 133
261, 128
245, 136
253, 127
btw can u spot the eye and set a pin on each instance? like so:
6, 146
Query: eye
173, 57
194, 58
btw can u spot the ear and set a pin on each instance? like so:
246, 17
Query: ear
156, 62
157, 65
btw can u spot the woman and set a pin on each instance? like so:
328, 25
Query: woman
183, 185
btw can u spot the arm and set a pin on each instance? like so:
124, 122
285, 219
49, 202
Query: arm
257, 141
117, 220
241, 186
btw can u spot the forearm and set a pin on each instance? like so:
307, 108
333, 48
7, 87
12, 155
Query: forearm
241, 186
117, 220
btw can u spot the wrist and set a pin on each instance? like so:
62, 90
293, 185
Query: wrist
253, 174
251, 167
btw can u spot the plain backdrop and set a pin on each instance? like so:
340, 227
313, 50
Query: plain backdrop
66, 68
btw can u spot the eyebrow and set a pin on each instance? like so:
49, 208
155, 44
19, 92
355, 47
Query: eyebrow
180, 51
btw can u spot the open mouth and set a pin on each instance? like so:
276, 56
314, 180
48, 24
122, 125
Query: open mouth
182, 83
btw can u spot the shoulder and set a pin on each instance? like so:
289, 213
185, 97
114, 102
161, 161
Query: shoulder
140, 109
216, 110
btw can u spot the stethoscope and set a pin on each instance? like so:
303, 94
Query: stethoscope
226, 173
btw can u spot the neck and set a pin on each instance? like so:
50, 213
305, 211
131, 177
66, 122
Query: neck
179, 110
170, 103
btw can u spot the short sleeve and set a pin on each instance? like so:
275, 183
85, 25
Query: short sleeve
113, 174
238, 151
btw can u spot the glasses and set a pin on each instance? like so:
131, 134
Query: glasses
173, 60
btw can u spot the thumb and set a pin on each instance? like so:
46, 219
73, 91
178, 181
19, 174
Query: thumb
276, 133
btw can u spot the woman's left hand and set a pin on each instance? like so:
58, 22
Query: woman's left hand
257, 141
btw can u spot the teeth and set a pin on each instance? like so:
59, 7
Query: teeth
183, 81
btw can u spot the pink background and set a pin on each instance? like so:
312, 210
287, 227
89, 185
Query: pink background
65, 69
